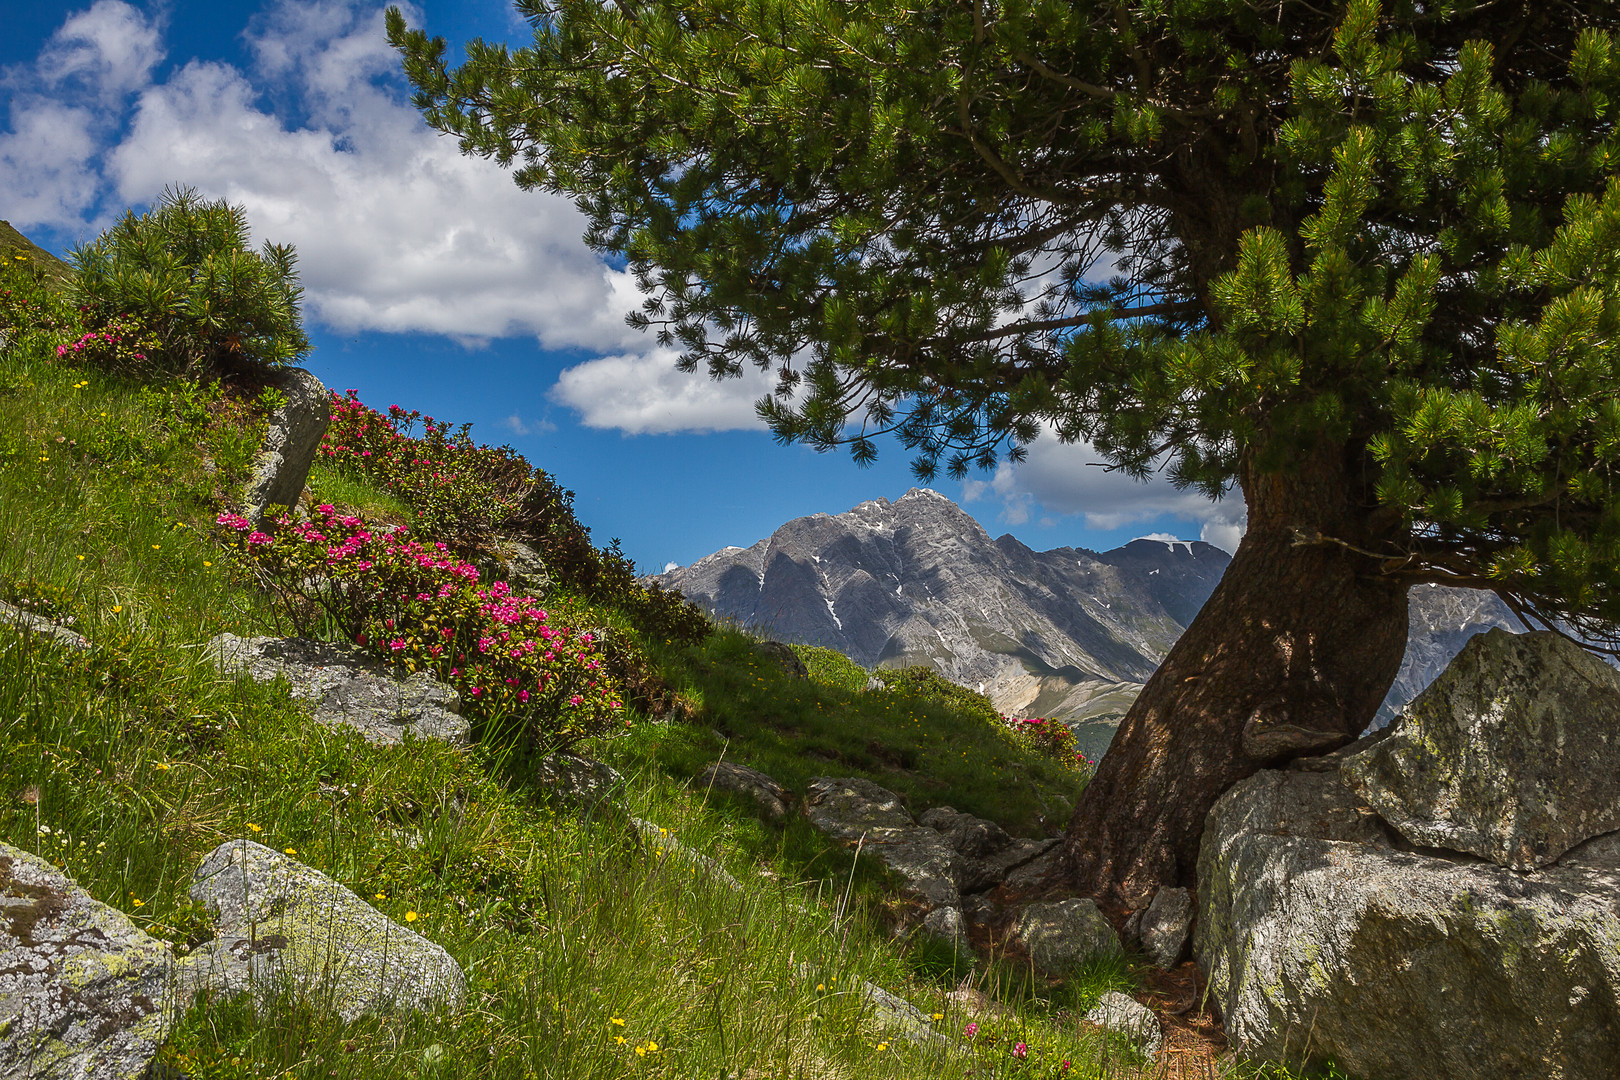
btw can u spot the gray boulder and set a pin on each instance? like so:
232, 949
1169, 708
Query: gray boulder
1512, 754
579, 782
771, 797
898, 1017
83, 990
1324, 936
283, 927
282, 467
1060, 936
347, 688
30, 623
1122, 1015
1165, 927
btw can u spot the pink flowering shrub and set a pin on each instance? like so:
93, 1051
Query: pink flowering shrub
418, 607
461, 491
464, 492
122, 343
1050, 737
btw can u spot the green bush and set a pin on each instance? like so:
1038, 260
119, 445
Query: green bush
185, 272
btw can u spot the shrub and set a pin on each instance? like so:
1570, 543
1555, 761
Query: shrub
467, 495
27, 302
419, 608
184, 270
1050, 737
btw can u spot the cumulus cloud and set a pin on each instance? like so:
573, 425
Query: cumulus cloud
65, 106
1070, 478
396, 230
644, 394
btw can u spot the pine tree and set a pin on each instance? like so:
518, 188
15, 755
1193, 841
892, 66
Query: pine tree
1360, 262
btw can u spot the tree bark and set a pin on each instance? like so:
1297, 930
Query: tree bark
1291, 655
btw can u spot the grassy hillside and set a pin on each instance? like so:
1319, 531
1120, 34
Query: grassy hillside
587, 955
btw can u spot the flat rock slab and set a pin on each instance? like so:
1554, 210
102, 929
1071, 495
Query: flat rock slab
82, 988
1061, 936
347, 688
860, 812
579, 782
1314, 921
28, 622
1512, 754
283, 927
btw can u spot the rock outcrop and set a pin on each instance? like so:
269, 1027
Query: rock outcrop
294, 435
1324, 935
347, 688
946, 861
283, 927
1512, 754
1165, 926
83, 990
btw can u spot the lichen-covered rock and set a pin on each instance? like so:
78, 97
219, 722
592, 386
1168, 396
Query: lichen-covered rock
1119, 1014
283, 927
83, 990
578, 782
860, 812
771, 797
348, 689
1060, 936
295, 431
1165, 927
37, 624
1316, 930
1512, 754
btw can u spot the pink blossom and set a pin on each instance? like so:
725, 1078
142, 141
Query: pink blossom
397, 644
971, 1030
1020, 1051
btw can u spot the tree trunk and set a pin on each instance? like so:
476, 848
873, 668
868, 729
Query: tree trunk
1292, 655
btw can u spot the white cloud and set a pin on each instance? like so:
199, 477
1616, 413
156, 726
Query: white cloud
519, 426
1069, 478
644, 394
396, 230
67, 104
671, 566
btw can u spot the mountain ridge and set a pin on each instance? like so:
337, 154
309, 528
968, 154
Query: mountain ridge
1068, 633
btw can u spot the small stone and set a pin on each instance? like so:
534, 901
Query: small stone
1062, 936
1165, 927
1118, 1014
771, 797
281, 926
665, 845
83, 990
348, 688
946, 924
523, 568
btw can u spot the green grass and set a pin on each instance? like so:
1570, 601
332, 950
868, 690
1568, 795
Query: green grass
126, 764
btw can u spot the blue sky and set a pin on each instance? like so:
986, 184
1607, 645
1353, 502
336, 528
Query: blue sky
432, 282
